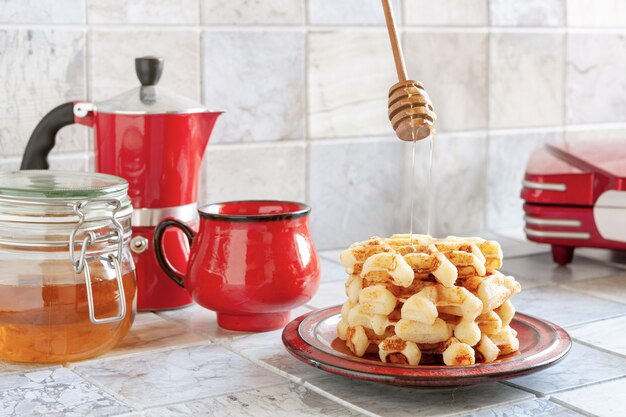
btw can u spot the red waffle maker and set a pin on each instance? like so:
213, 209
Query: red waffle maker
575, 196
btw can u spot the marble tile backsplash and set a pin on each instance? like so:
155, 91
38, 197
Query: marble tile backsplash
455, 75
349, 75
260, 106
526, 80
304, 84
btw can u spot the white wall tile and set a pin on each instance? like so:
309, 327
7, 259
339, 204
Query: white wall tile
74, 162
258, 78
112, 56
458, 185
241, 172
37, 11
454, 75
39, 69
445, 12
142, 11
9, 164
596, 77
508, 156
598, 13
350, 12
349, 76
354, 190
527, 12
526, 80
57, 161
252, 12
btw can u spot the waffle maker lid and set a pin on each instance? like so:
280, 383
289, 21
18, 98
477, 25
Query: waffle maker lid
575, 173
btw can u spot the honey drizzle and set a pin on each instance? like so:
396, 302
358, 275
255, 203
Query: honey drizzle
412, 190
429, 197
429, 210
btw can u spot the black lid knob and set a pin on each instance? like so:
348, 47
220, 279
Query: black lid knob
149, 69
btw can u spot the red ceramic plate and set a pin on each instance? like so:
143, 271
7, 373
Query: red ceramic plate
312, 338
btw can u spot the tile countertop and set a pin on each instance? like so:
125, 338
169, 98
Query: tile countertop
180, 363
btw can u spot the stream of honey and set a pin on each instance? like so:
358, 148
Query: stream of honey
429, 190
50, 323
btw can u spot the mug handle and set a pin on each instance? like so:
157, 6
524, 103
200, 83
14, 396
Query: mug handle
175, 275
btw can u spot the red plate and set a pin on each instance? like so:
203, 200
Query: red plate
312, 338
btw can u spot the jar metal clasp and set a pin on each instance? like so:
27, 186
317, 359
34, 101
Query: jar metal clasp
112, 259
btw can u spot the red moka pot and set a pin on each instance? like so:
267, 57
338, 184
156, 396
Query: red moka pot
155, 140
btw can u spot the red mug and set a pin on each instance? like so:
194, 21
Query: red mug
251, 262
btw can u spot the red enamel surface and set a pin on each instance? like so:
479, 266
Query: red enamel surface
310, 338
587, 168
158, 291
160, 157
254, 208
252, 273
607, 155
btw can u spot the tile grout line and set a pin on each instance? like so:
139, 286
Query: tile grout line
582, 291
540, 394
599, 348
564, 286
199, 332
119, 397
564, 83
571, 407
208, 397
263, 364
338, 400
512, 401
489, 133
137, 407
305, 121
295, 379
200, 63
361, 139
366, 27
583, 323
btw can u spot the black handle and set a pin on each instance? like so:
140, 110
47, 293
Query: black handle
176, 276
149, 69
43, 138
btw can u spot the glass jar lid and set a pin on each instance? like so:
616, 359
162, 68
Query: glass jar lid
43, 184
47, 209
40, 196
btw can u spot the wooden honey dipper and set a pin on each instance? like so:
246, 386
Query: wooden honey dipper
410, 109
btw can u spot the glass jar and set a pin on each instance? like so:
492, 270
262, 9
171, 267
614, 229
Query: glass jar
67, 278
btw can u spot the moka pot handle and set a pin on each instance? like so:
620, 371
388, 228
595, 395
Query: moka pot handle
43, 138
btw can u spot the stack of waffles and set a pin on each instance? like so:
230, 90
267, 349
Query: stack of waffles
416, 299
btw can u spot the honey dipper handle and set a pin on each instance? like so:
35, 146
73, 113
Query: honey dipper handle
395, 43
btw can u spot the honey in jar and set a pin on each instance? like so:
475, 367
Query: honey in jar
57, 304
50, 323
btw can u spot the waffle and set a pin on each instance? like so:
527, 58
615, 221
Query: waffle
412, 298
